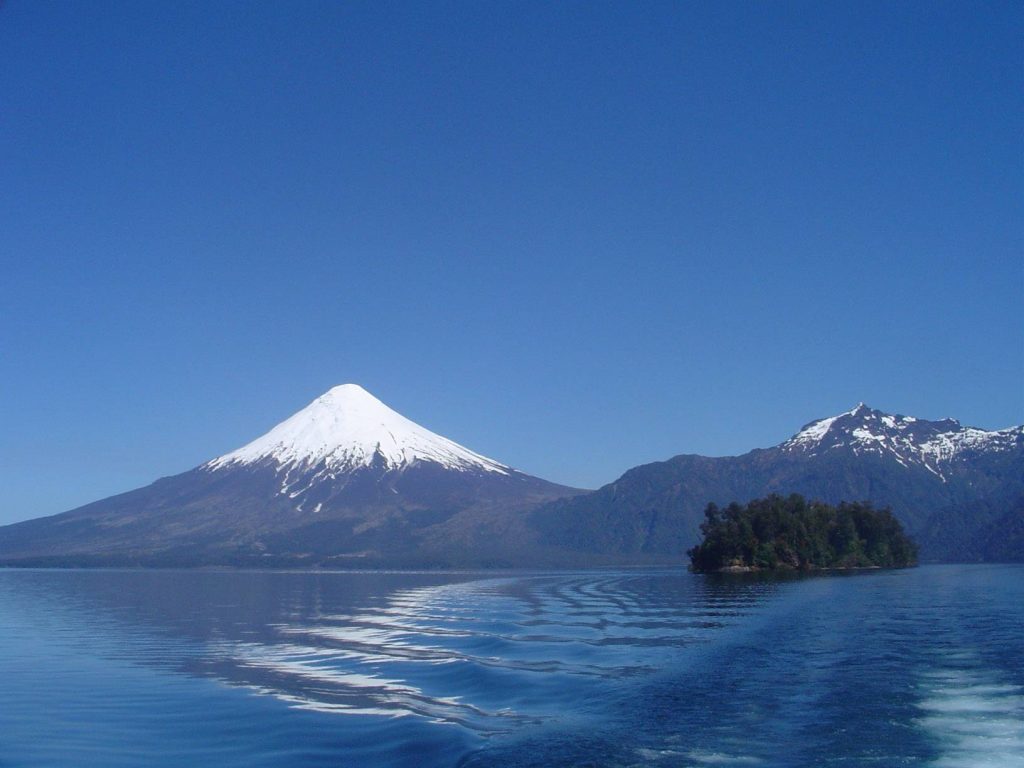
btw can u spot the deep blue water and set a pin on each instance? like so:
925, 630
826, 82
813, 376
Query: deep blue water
601, 668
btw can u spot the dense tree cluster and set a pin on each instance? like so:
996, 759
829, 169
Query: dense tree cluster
793, 533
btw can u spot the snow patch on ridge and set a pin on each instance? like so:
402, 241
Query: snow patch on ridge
813, 433
905, 438
347, 428
947, 445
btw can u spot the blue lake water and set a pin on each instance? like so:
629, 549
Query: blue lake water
600, 668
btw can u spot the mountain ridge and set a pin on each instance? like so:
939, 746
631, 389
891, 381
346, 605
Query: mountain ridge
346, 481
930, 444
929, 472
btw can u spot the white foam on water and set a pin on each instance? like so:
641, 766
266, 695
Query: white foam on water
719, 758
976, 719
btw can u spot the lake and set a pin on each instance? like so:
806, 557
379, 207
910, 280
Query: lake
598, 668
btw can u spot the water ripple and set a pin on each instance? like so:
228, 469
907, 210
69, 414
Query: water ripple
519, 633
624, 668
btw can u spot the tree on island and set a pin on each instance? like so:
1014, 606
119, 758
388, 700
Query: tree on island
792, 533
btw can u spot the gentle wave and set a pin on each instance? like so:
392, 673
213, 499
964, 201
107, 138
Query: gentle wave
500, 633
610, 668
975, 717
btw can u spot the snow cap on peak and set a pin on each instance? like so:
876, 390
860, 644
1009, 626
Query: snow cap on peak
346, 391
813, 433
861, 410
347, 428
910, 440
349, 396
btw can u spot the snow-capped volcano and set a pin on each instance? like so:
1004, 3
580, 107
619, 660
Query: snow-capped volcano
346, 429
911, 441
345, 480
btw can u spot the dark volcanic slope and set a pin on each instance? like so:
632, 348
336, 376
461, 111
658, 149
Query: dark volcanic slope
237, 516
953, 487
345, 481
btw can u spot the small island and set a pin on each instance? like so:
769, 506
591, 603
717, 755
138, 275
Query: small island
791, 533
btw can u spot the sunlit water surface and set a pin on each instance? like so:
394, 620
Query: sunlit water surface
601, 668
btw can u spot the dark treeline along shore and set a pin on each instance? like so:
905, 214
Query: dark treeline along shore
792, 533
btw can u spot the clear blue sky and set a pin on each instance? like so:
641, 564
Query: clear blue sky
576, 236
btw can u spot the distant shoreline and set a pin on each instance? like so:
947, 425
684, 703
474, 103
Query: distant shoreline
810, 569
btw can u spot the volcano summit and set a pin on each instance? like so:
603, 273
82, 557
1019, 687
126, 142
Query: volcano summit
346, 480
